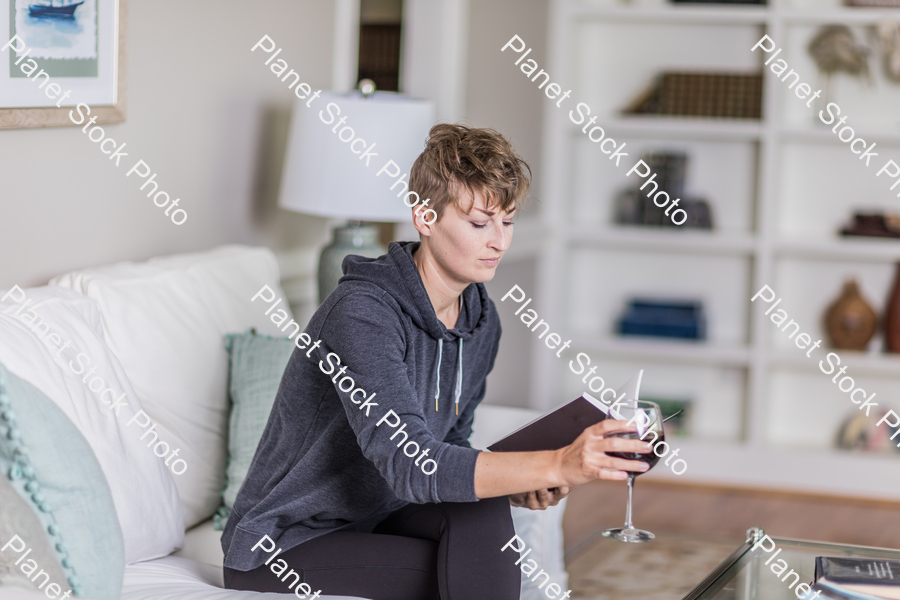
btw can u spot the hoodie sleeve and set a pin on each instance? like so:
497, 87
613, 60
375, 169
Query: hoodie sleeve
363, 340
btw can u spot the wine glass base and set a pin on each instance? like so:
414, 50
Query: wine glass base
630, 535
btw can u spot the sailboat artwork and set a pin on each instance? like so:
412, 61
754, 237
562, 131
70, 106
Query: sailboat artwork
58, 29
64, 10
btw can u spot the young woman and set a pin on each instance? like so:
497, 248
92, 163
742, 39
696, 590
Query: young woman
364, 478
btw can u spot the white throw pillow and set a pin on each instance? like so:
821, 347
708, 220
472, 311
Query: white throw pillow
144, 493
165, 320
543, 535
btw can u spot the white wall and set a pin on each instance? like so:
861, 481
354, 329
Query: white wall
206, 114
433, 54
498, 95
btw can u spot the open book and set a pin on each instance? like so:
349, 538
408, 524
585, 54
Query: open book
563, 425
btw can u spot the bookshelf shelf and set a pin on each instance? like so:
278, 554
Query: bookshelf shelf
765, 179
680, 128
660, 239
729, 15
826, 136
712, 15
863, 363
846, 16
671, 351
846, 249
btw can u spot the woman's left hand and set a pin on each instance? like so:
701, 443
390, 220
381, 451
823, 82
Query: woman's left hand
540, 499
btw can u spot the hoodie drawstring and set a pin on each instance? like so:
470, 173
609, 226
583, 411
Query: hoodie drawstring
437, 394
457, 392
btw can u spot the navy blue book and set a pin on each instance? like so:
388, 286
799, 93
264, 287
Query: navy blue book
664, 319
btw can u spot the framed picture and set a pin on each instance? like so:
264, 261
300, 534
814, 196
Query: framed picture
58, 54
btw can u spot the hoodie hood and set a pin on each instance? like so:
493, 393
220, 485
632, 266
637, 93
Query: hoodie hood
396, 273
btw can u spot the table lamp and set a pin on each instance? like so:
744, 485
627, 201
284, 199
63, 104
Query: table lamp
336, 147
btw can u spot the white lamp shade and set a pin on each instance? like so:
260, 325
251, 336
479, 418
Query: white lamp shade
327, 176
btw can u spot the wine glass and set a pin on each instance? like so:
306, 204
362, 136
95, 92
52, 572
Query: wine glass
648, 418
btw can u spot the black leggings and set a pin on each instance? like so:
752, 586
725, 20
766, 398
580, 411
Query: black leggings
441, 551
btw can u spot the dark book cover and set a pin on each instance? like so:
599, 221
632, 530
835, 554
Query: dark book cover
563, 425
879, 578
858, 570
554, 430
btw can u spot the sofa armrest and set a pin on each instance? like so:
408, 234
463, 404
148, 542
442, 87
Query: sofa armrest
494, 422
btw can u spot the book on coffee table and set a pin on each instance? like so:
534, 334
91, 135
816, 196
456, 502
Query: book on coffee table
877, 578
561, 426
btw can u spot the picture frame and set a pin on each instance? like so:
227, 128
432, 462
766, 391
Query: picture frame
97, 75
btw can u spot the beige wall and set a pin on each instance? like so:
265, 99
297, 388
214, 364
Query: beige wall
211, 120
206, 114
498, 95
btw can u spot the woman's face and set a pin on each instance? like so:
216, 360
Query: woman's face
468, 246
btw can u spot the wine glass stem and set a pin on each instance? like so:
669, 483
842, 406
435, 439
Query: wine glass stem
628, 524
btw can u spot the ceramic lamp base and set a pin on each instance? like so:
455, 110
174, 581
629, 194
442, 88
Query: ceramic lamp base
348, 239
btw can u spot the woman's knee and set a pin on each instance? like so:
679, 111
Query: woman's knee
497, 507
490, 517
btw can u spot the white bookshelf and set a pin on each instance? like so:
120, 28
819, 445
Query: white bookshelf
780, 189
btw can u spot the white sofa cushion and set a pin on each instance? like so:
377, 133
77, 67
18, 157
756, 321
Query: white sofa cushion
172, 577
143, 491
165, 320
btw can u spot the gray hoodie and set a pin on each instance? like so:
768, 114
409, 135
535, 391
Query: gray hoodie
322, 464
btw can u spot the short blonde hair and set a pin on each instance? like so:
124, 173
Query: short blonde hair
457, 157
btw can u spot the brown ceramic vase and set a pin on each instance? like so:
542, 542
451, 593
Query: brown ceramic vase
850, 321
892, 317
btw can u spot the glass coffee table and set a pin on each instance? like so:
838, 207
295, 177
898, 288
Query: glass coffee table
745, 576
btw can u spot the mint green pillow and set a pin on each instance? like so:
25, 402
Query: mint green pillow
21, 530
53, 469
256, 364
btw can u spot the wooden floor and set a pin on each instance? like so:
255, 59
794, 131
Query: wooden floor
719, 513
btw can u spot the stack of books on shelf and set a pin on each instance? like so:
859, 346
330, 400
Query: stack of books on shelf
722, 95
878, 3
663, 318
633, 207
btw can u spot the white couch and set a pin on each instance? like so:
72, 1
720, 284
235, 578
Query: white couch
162, 324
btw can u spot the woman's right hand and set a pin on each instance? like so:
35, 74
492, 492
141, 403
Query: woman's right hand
585, 459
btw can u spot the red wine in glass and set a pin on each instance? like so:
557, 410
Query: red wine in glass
648, 419
650, 458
